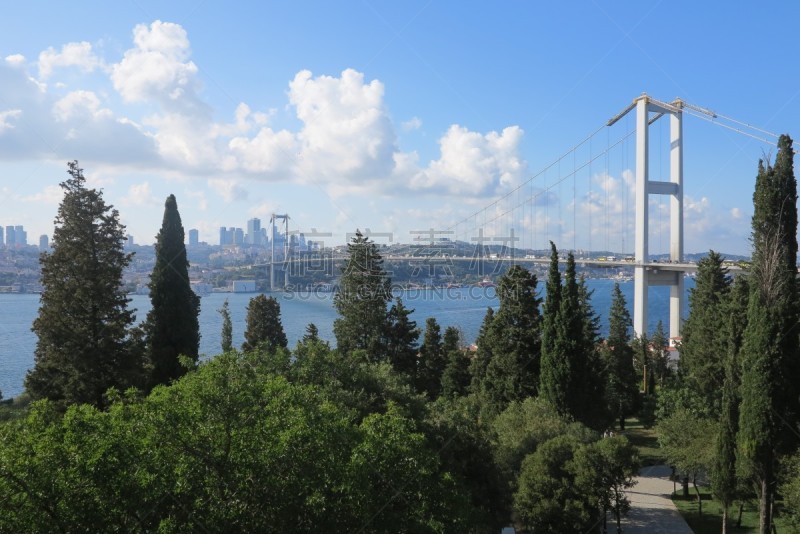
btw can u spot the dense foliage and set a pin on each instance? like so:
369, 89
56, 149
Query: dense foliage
172, 327
84, 346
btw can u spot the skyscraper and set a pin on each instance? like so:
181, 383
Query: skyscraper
2, 242
194, 237
253, 231
10, 237
238, 236
44, 243
20, 236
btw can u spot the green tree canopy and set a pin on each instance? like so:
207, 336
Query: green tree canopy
264, 328
172, 326
83, 345
364, 291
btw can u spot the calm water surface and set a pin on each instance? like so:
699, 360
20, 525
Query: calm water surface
464, 308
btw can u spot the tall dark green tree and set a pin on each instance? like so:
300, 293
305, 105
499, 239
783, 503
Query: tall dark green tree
769, 354
264, 327
172, 328
512, 372
483, 353
364, 291
83, 346
724, 482
621, 388
704, 343
456, 377
226, 334
555, 367
432, 360
401, 339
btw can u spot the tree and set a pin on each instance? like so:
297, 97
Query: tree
684, 440
432, 360
364, 291
621, 388
401, 339
704, 343
547, 499
605, 469
724, 482
770, 380
172, 328
226, 336
455, 378
483, 353
513, 337
554, 370
83, 345
264, 328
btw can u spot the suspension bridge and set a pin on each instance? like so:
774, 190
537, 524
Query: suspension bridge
626, 197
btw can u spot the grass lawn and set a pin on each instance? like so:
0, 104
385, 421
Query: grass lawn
646, 440
711, 520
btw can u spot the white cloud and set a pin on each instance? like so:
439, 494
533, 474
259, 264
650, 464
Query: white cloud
71, 55
140, 195
51, 195
79, 104
229, 190
157, 68
475, 164
6, 115
414, 123
346, 134
15, 60
736, 213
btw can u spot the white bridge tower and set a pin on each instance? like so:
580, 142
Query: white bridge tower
648, 111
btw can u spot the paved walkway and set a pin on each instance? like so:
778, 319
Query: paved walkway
652, 511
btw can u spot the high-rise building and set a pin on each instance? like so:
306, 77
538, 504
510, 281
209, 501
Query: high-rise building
238, 236
223, 236
10, 237
194, 237
253, 231
2, 232
129, 240
20, 236
44, 243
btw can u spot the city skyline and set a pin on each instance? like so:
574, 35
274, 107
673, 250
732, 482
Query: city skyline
396, 118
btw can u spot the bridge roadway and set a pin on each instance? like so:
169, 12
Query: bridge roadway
438, 259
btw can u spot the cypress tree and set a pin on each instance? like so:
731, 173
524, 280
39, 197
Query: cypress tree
364, 291
724, 482
483, 353
512, 372
83, 346
769, 388
705, 339
621, 387
432, 360
455, 378
172, 327
555, 369
264, 328
401, 339
226, 336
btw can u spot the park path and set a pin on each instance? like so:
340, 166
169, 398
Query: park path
652, 510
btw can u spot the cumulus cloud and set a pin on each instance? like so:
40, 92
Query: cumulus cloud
78, 55
158, 68
80, 104
346, 133
736, 213
15, 60
6, 116
229, 190
140, 195
414, 123
51, 195
473, 163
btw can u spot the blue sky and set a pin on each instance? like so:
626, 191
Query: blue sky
392, 116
